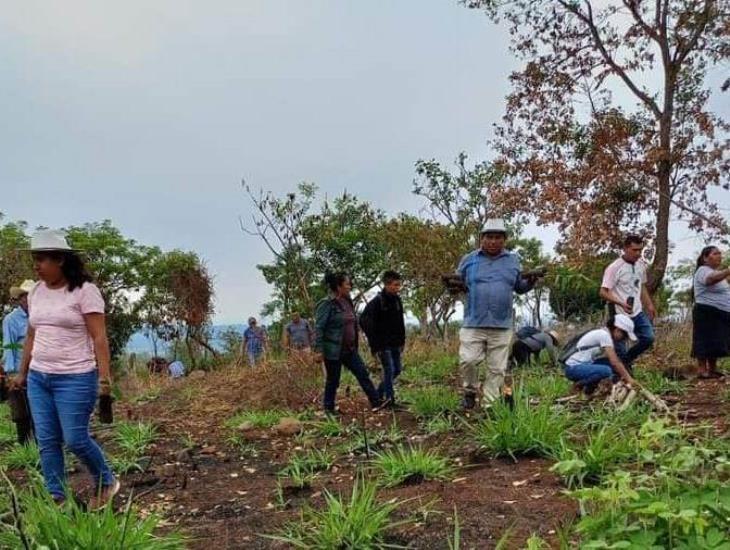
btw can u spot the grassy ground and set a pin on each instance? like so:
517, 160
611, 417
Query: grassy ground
202, 465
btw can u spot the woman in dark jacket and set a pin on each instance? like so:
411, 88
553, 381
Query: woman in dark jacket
337, 341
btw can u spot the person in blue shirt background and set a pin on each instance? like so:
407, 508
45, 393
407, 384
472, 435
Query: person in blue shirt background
491, 275
15, 327
254, 341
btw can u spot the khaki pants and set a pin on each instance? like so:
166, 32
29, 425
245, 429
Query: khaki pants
476, 345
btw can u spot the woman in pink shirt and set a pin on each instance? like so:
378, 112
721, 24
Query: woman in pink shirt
65, 364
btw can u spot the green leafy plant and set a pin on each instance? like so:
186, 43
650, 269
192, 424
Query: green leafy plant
587, 460
435, 370
135, 438
431, 401
328, 427
47, 525
411, 465
360, 522
525, 429
439, 425
657, 382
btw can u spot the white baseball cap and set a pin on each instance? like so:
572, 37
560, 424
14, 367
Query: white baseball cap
494, 225
625, 323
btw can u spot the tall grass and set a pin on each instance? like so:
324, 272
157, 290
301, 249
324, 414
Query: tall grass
259, 419
411, 465
431, 401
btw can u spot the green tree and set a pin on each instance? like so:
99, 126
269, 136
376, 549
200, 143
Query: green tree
15, 264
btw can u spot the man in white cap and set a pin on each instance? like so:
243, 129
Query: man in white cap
15, 327
594, 356
491, 275
529, 343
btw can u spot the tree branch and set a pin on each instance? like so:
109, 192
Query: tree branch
587, 18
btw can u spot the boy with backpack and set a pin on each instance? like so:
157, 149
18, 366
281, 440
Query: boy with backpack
383, 323
591, 356
529, 343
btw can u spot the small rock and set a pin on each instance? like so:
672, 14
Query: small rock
288, 426
209, 450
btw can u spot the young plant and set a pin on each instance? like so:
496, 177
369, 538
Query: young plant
257, 419
411, 465
524, 429
135, 438
329, 427
439, 425
360, 522
47, 525
589, 460
431, 401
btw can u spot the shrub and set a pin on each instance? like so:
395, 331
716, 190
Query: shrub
360, 522
135, 438
411, 465
431, 401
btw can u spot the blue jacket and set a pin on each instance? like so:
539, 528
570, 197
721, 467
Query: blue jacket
490, 283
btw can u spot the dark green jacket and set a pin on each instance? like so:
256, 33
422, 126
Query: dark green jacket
329, 325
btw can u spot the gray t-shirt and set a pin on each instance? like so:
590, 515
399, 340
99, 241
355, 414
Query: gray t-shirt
717, 295
299, 334
540, 341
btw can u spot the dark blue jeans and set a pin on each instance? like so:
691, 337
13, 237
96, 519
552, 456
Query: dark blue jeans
354, 363
645, 334
588, 375
390, 359
61, 405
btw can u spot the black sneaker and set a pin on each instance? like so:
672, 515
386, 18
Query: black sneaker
381, 404
469, 402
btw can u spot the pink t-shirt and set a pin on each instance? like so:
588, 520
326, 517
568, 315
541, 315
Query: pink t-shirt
62, 342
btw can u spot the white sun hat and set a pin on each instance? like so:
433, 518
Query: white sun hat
24, 288
625, 323
46, 240
494, 225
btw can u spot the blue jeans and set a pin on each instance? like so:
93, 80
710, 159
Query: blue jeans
390, 359
588, 375
355, 364
61, 405
644, 333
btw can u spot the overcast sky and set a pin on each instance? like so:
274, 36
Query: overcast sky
150, 113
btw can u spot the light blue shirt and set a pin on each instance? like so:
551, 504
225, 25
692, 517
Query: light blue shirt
717, 295
491, 282
15, 326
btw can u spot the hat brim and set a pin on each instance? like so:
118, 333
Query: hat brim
50, 250
632, 336
16, 292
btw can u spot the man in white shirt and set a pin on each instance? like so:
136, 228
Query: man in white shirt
624, 288
595, 358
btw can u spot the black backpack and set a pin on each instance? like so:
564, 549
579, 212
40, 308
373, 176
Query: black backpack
526, 332
571, 348
367, 317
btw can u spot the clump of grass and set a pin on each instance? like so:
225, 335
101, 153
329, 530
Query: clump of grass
258, 419
243, 446
439, 425
360, 522
314, 459
589, 460
7, 428
411, 465
525, 429
47, 525
21, 457
135, 438
431, 401
329, 427
543, 385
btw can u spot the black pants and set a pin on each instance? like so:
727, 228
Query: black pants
521, 354
20, 414
354, 363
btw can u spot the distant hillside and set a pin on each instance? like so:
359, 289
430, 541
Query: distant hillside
139, 343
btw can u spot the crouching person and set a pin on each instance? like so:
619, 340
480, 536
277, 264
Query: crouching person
592, 358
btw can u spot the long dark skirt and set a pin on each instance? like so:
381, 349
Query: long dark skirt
710, 332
